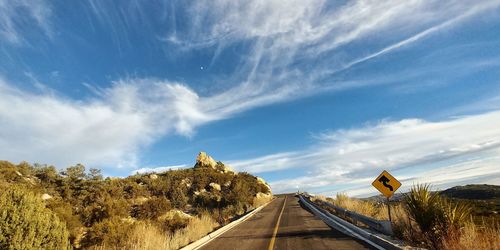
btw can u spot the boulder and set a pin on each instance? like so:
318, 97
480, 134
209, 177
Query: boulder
173, 213
205, 160
262, 181
215, 186
186, 181
46, 196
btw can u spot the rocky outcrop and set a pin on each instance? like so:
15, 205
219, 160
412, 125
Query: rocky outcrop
187, 182
200, 191
46, 196
261, 199
262, 181
206, 161
174, 213
215, 186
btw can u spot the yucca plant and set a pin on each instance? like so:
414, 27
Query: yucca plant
423, 206
456, 214
435, 216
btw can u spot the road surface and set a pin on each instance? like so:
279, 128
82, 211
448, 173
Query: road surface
284, 224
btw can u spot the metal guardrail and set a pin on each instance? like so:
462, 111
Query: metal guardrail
381, 226
348, 228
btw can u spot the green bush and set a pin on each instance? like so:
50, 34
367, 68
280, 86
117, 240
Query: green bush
152, 208
436, 217
423, 206
64, 212
174, 223
109, 232
25, 223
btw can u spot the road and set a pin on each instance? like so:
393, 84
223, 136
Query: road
284, 224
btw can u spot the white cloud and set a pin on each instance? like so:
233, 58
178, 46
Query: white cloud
54, 130
110, 129
293, 48
281, 63
440, 152
157, 169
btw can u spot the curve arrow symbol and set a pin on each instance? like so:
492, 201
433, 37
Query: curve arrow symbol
384, 181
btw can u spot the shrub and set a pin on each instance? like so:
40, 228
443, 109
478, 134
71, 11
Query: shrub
178, 197
25, 223
173, 220
64, 211
436, 217
110, 232
423, 207
152, 208
456, 214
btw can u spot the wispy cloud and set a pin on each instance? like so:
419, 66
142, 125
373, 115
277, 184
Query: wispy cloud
110, 129
285, 39
288, 48
157, 169
412, 148
17, 18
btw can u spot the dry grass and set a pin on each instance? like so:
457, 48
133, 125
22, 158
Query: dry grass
196, 229
149, 237
469, 236
368, 208
472, 236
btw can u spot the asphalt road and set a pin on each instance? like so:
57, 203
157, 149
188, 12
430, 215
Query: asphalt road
297, 229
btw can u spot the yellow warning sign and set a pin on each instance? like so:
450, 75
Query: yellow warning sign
386, 184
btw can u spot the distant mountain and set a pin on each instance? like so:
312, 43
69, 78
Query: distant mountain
473, 192
381, 198
467, 192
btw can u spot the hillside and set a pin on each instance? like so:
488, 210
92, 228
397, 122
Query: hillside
484, 199
473, 192
178, 205
467, 192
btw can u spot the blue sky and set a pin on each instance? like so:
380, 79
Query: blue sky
316, 95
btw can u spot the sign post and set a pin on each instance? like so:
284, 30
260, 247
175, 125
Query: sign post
387, 185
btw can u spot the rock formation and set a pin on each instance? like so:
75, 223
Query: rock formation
206, 161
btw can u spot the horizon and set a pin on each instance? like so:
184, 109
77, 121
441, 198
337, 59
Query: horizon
318, 96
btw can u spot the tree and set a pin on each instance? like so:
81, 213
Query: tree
178, 198
46, 174
95, 174
25, 223
152, 208
75, 172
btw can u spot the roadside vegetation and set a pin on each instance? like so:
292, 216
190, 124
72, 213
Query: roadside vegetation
428, 219
76, 208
